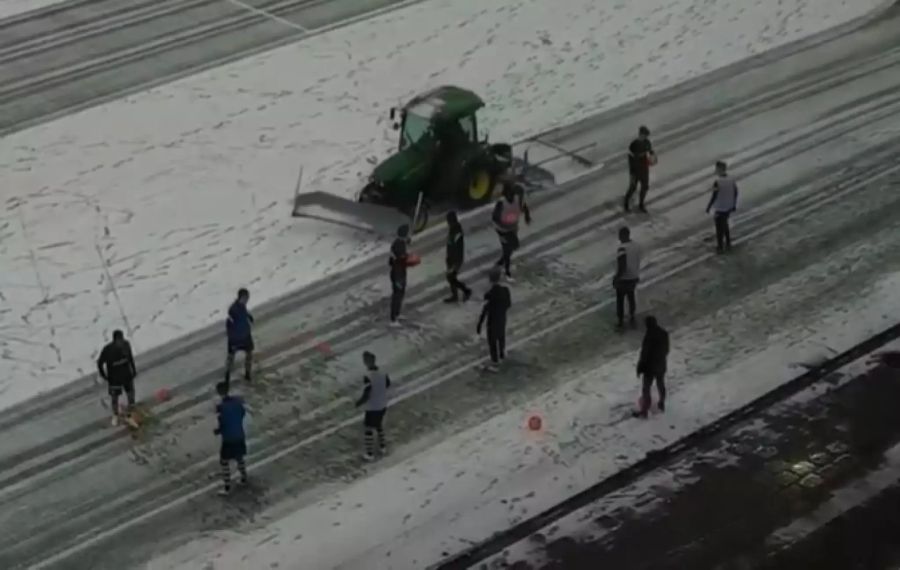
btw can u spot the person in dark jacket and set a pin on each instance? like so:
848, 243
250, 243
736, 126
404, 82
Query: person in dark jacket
506, 216
497, 302
651, 366
116, 366
239, 328
230, 414
640, 157
398, 263
456, 249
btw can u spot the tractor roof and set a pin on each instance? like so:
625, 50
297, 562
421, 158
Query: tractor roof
446, 103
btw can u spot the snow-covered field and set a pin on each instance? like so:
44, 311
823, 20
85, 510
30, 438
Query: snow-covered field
148, 213
497, 473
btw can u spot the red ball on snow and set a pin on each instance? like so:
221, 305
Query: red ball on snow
535, 423
163, 395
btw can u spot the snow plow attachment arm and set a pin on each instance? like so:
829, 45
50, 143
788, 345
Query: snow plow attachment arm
371, 218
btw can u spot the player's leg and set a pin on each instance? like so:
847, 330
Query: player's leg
248, 362
379, 429
114, 393
644, 180
720, 232
632, 186
130, 394
644, 404
632, 303
727, 230
661, 388
493, 345
620, 306
369, 424
512, 244
225, 468
229, 364
241, 464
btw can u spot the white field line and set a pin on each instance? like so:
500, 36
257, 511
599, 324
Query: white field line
269, 15
90, 538
101, 23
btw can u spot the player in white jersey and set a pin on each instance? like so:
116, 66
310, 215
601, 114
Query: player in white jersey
628, 273
724, 200
375, 398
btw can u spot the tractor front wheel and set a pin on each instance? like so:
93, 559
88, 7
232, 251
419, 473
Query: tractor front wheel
477, 187
372, 193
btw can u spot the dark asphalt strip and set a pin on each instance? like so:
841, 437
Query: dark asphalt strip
865, 537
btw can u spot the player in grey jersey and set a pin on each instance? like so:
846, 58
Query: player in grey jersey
724, 199
375, 398
627, 276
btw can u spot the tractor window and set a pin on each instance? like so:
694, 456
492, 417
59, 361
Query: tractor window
414, 128
468, 126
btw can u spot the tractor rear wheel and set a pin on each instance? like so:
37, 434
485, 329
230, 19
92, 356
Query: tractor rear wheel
477, 186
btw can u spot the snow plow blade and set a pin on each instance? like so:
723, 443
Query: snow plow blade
370, 218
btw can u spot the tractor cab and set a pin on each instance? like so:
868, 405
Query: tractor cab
439, 158
446, 115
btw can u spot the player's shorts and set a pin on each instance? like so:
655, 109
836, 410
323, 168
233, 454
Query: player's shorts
232, 450
374, 419
626, 285
119, 387
641, 176
509, 239
245, 345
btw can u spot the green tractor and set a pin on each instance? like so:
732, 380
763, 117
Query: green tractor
440, 158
